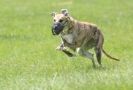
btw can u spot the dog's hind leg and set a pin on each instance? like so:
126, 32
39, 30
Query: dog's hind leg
98, 55
98, 48
86, 54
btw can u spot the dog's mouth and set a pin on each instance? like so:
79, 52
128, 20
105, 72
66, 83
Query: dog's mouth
57, 29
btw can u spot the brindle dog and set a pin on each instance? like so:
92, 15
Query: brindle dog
78, 36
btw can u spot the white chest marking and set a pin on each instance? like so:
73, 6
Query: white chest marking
68, 38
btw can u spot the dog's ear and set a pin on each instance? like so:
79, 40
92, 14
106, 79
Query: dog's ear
53, 14
65, 12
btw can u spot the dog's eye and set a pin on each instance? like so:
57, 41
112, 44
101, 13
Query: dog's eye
60, 20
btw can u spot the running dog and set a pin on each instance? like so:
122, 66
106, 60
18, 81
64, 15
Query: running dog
78, 36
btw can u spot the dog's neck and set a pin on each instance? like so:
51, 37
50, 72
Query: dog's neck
68, 29
70, 25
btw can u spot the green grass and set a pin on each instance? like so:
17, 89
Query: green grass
29, 61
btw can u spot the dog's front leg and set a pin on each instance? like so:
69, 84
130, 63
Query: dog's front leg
63, 49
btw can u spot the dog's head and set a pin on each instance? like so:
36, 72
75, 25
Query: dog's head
60, 21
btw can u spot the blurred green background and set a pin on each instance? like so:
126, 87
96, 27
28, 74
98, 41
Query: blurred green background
29, 61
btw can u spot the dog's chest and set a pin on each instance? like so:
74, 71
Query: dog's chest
68, 38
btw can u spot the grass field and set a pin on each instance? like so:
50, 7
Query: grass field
29, 61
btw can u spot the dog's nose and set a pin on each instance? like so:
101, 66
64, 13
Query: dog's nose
57, 28
55, 24
54, 27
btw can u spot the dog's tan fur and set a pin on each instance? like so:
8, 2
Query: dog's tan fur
80, 37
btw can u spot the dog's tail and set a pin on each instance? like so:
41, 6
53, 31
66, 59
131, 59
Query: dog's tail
100, 44
109, 55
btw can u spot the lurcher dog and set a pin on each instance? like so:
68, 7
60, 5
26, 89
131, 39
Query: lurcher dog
78, 36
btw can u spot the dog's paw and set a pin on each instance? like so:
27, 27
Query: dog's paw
60, 48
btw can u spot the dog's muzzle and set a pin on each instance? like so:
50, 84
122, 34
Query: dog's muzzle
57, 28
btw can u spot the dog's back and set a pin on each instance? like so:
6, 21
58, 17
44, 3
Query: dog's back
86, 32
